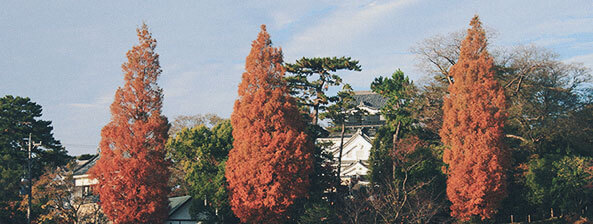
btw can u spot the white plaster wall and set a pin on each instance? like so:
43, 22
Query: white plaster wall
84, 180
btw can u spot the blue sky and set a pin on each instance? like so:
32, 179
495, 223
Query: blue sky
67, 55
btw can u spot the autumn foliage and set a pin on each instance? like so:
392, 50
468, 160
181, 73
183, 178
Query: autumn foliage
473, 114
132, 171
269, 165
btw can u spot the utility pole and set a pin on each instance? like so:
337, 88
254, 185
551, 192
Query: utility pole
31, 144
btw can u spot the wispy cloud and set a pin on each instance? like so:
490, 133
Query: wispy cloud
341, 27
586, 59
99, 103
83, 105
583, 45
550, 41
566, 26
289, 14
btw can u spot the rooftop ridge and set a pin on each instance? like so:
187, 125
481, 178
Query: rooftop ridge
363, 92
84, 168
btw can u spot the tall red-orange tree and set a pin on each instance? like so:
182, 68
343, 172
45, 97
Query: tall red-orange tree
269, 165
473, 117
132, 171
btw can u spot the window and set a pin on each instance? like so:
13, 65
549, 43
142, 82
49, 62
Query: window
86, 191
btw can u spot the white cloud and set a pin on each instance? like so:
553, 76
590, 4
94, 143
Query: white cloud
288, 14
565, 26
341, 28
586, 59
83, 105
99, 102
546, 42
583, 45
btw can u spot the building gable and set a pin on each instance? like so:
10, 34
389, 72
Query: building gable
179, 210
358, 147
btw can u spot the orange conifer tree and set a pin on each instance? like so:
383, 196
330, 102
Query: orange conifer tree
269, 165
473, 114
132, 171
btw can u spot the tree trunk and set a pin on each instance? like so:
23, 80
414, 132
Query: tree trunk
317, 102
341, 149
315, 113
393, 149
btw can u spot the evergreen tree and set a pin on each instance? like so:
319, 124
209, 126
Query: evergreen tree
132, 171
398, 90
309, 83
268, 168
473, 114
19, 117
311, 94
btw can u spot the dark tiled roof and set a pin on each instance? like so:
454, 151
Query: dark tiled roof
176, 202
369, 99
87, 166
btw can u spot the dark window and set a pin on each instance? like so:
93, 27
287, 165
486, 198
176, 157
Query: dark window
86, 191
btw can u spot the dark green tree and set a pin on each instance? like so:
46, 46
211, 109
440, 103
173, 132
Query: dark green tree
325, 184
311, 79
398, 90
202, 152
380, 160
561, 183
319, 212
19, 117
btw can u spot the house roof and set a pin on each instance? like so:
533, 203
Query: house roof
176, 203
350, 168
85, 167
350, 140
369, 99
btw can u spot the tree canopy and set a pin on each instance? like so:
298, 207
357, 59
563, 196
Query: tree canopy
268, 168
132, 171
19, 117
311, 92
202, 153
473, 118
398, 90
